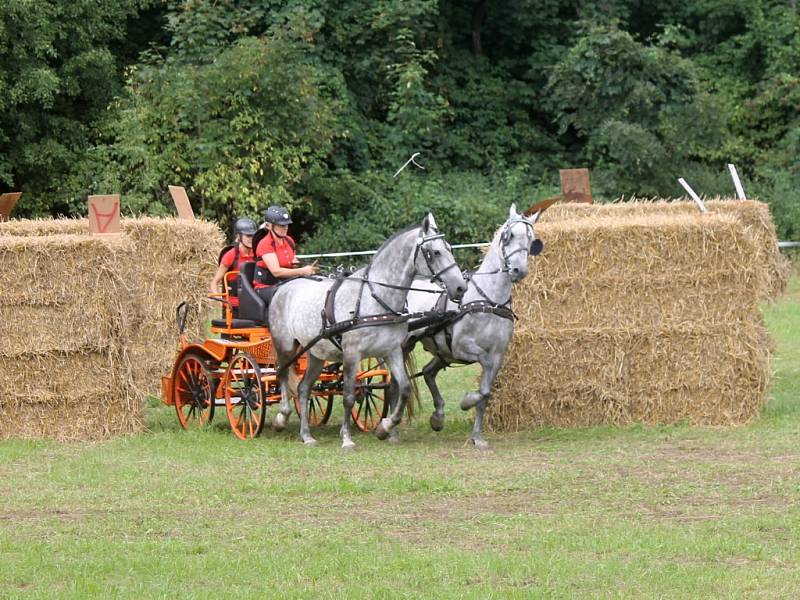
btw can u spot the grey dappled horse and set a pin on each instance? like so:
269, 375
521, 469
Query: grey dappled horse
378, 290
484, 322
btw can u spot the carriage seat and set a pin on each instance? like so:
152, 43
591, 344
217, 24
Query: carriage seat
251, 306
235, 323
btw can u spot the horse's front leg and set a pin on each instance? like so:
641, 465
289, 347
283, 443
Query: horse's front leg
349, 364
490, 366
429, 372
313, 370
398, 370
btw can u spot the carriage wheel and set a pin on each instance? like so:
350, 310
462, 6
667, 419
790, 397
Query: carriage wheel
372, 383
320, 406
244, 396
193, 392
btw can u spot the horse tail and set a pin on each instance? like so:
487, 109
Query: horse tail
414, 402
292, 378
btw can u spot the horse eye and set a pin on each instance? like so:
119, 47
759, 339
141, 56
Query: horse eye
437, 253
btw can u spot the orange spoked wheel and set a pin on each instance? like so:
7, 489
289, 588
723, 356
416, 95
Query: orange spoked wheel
193, 392
372, 384
320, 406
244, 396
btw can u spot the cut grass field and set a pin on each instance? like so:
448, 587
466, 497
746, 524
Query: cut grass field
598, 512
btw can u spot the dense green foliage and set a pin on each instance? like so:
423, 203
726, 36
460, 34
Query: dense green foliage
315, 105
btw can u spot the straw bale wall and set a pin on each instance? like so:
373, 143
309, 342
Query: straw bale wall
91, 319
753, 214
646, 318
62, 368
176, 260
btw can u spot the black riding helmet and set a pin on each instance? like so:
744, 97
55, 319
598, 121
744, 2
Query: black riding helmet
245, 226
277, 215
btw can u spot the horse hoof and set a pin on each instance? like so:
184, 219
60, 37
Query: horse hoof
279, 422
383, 429
469, 400
348, 446
311, 442
437, 422
480, 444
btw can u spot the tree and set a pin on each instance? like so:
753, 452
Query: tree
59, 70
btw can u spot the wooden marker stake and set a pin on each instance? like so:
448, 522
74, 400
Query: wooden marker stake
7, 203
181, 201
692, 193
575, 185
104, 214
736, 182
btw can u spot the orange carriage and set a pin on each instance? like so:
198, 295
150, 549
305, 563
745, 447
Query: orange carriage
238, 370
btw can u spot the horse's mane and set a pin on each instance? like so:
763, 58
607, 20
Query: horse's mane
392, 237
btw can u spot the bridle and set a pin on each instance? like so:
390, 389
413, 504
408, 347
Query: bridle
428, 255
505, 237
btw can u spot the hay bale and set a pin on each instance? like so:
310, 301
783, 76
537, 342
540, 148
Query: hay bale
657, 269
707, 375
43, 227
754, 215
90, 417
644, 318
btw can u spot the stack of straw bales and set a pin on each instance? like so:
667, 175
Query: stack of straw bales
63, 313
98, 316
650, 316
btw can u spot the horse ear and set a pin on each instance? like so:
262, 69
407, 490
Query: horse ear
429, 222
512, 212
535, 217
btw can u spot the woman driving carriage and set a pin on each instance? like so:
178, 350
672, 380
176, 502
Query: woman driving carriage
242, 251
276, 255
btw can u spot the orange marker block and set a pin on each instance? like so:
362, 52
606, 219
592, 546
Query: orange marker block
7, 203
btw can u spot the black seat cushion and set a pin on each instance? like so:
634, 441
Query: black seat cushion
235, 323
251, 305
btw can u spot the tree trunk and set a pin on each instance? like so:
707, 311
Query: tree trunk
478, 15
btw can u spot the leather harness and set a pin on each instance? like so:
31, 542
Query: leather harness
333, 330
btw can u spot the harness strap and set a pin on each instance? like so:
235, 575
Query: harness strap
483, 294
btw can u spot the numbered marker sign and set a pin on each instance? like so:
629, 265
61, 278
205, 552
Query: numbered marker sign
7, 203
575, 185
104, 214
181, 201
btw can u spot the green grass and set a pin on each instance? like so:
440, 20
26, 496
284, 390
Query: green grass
669, 512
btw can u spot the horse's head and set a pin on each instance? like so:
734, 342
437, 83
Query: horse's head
518, 241
434, 257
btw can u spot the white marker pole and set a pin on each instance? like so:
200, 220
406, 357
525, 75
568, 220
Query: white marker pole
694, 196
737, 182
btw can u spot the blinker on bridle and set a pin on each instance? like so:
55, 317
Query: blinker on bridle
428, 255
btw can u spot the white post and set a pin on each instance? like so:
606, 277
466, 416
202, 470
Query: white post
694, 196
737, 182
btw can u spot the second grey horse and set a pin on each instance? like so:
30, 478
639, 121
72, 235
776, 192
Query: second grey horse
480, 328
359, 316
